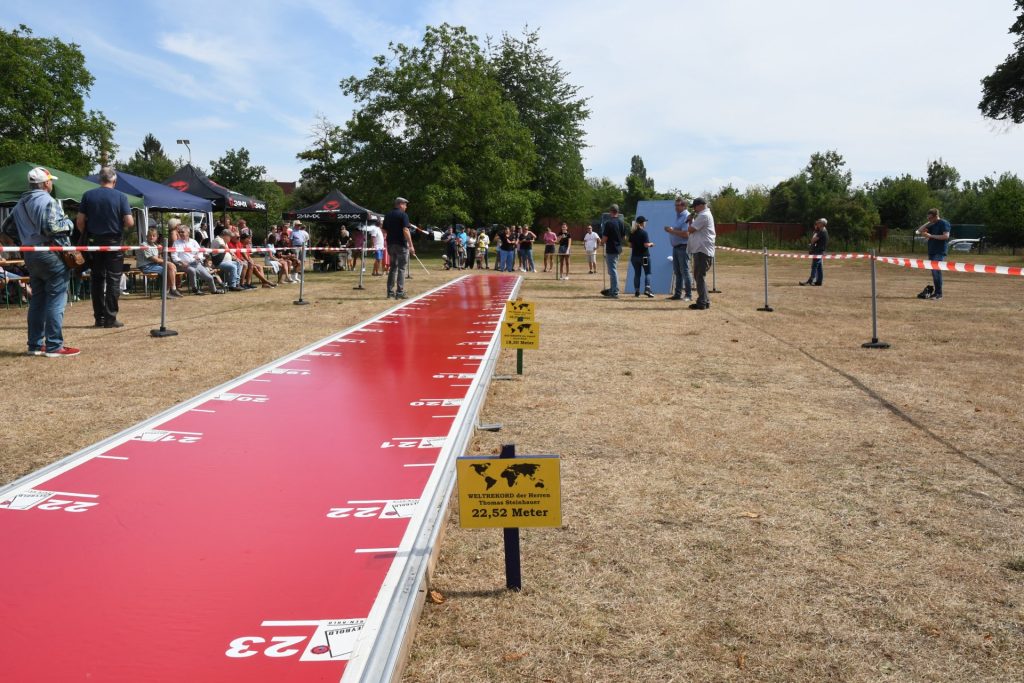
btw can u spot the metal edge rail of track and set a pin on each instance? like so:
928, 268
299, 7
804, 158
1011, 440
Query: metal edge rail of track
378, 657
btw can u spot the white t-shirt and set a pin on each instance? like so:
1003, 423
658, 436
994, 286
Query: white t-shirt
377, 235
590, 241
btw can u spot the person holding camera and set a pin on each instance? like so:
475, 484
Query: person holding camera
936, 231
678, 236
819, 242
701, 244
640, 258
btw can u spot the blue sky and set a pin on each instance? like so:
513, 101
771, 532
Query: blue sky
708, 93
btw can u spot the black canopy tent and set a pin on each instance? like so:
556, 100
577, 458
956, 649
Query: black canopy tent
334, 208
188, 179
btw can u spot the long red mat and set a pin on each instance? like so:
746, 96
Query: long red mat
258, 532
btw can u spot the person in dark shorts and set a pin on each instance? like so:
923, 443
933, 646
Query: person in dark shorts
640, 258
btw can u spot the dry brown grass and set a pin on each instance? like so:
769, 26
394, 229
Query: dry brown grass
747, 496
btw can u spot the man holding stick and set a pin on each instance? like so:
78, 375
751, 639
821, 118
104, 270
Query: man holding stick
399, 241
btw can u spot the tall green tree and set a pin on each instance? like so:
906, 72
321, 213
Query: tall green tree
1002, 91
942, 176
602, 194
236, 171
639, 185
902, 202
42, 105
1004, 211
325, 168
149, 161
554, 112
432, 123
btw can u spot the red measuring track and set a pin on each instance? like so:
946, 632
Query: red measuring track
258, 532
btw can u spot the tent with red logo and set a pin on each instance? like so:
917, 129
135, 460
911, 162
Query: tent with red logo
188, 179
334, 208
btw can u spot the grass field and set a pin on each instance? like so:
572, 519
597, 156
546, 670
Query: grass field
747, 496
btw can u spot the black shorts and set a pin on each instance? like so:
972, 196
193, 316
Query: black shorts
549, 249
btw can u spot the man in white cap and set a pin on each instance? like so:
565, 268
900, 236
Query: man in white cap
38, 220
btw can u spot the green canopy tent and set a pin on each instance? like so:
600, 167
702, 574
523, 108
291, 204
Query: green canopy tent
68, 188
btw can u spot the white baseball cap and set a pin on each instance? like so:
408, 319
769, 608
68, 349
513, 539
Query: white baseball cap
40, 175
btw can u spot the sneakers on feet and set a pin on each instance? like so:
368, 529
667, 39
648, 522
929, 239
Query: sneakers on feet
174, 294
62, 352
112, 323
34, 352
649, 294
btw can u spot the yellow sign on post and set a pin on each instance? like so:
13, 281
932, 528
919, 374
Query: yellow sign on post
519, 309
509, 492
520, 334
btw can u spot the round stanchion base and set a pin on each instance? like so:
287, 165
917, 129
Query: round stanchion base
301, 302
163, 332
875, 344
766, 309
359, 287
714, 291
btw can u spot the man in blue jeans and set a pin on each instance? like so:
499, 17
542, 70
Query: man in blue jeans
936, 231
612, 232
678, 234
38, 220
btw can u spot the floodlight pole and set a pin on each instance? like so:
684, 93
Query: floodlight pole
187, 143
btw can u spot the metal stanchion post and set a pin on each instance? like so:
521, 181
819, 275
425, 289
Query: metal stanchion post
513, 563
874, 343
302, 276
362, 263
163, 331
766, 308
714, 281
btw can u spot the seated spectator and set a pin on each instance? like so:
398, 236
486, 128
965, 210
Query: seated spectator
237, 253
230, 269
189, 260
282, 267
148, 260
254, 268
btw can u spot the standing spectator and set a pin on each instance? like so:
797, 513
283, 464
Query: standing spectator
375, 237
564, 242
471, 242
613, 231
550, 238
506, 251
103, 216
590, 242
483, 254
640, 257
701, 244
526, 249
399, 239
299, 238
936, 231
149, 261
187, 259
38, 220
678, 236
819, 243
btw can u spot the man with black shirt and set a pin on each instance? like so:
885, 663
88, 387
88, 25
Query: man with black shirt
103, 216
399, 241
611, 237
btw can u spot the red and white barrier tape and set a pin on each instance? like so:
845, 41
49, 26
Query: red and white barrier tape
950, 266
835, 257
922, 264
